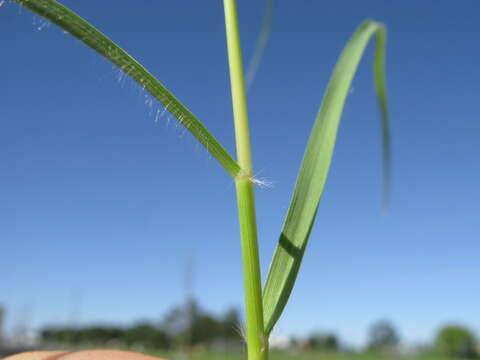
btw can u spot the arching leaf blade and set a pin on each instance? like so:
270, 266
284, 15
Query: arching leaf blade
90, 36
315, 166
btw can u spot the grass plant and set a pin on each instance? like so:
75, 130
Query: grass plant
263, 307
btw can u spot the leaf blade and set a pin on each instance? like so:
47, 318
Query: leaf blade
93, 38
261, 44
381, 90
315, 166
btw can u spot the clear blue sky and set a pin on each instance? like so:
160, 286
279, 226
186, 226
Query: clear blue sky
101, 203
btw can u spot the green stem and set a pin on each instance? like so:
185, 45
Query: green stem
257, 345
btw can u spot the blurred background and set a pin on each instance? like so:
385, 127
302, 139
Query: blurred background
118, 230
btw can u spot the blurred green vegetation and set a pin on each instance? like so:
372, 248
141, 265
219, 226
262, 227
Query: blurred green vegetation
287, 355
188, 332
457, 341
186, 326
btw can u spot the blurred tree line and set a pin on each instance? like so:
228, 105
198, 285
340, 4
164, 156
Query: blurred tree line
452, 341
322, 342
184, 326
189, 327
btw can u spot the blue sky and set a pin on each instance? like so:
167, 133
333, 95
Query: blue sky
103, 205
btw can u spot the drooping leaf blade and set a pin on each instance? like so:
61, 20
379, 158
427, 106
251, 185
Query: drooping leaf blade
315, 166
381, 89
89, 35
261, 44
